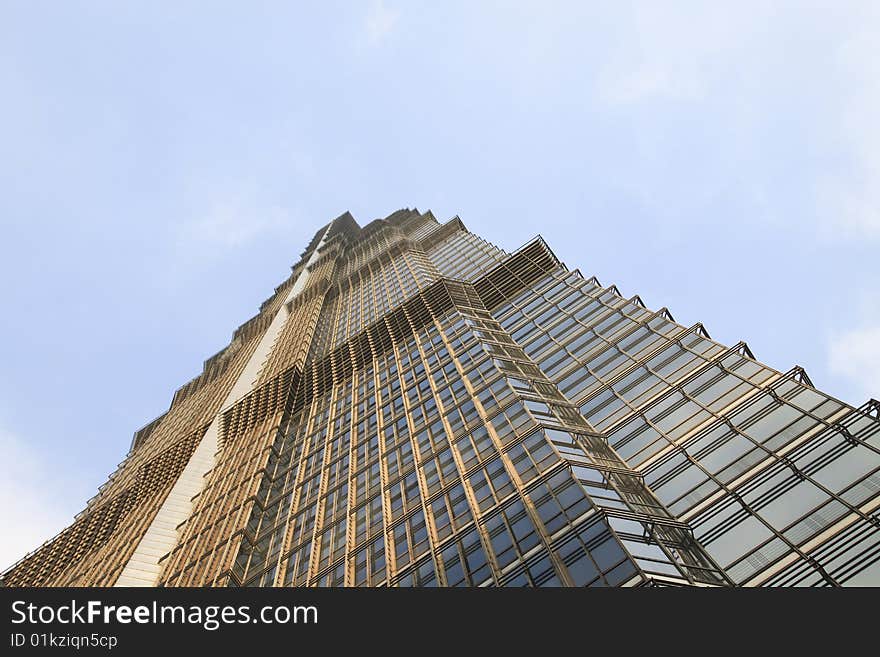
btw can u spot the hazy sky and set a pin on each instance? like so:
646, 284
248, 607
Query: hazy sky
164, 163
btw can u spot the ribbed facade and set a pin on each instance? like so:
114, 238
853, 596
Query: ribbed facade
416, 406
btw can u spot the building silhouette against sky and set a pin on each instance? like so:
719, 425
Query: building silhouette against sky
415, 406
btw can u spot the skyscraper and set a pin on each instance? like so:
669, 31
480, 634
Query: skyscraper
415, 406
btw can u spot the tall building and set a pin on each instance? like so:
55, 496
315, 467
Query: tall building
416, 406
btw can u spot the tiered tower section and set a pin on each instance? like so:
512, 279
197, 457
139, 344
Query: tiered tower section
416, 406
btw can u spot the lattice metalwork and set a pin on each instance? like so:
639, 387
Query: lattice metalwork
428, 409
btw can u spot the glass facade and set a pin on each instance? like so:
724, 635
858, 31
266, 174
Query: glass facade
436, 411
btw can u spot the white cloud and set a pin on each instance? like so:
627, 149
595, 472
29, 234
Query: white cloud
850, 194
853, 207
638, 85
232, 220
763, 58
674, 53
855, 355
29, 500
380, 21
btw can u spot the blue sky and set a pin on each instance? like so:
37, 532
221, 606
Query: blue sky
165, 163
